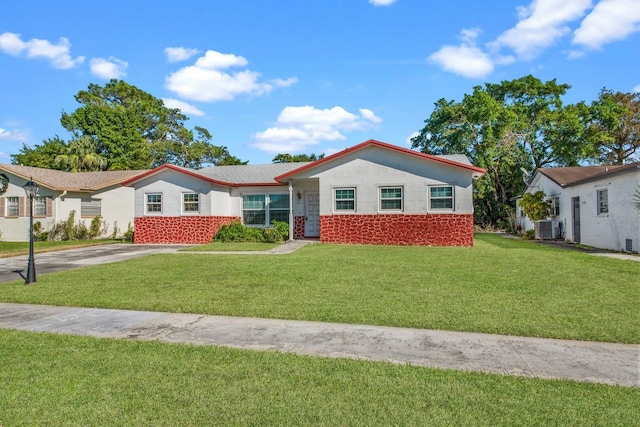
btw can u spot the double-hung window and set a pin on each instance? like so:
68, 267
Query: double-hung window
254, 209
13, 207
345, 199
441, 197
278, 208
190, 203
39, 206
153, 203
603, 201
390, 198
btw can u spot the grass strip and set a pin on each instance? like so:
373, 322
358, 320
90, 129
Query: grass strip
232, 246
52, 379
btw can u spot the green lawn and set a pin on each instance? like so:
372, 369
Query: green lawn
8, 249
232, 246
52, 379
499, 286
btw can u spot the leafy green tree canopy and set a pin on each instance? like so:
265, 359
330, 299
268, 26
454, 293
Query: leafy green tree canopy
615, 127
119, 126
42, 155
504, 127
292, 158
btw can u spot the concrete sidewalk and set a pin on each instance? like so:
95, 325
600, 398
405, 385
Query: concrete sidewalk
615, 364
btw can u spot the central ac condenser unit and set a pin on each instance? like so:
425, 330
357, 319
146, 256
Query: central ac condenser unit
546, 229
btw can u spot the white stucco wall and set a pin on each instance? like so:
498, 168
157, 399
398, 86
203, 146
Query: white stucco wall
116, 209
606, 230
16, 229
370, 168
172, 185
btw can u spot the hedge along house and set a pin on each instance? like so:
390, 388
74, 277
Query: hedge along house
372, 193
89, 194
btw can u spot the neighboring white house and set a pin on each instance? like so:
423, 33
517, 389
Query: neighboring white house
87, 193
592, 205
373, 193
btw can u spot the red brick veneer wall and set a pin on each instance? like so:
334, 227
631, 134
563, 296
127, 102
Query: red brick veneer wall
178, 229
298, 227
397, 229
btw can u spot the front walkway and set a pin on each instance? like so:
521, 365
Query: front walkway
615, 364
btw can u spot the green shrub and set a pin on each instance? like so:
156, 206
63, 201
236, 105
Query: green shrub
529, 234
128, 235
236, 232
279, 232
43, 236
95, 229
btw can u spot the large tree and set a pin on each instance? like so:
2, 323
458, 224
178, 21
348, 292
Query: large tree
615, 127
129, 129
81, 156
42, 155
505, 127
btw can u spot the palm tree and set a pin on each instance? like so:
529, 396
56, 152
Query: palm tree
81, 156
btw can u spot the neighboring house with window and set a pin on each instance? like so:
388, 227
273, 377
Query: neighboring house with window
592, 205
89, 194
372, 193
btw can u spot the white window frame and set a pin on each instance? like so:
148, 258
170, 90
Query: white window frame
263, 209
11, 206
452, 198
554, 208
40, 206
266, 208
602, 201
147, 204
270, 209
350, 199
191, 203
381, 199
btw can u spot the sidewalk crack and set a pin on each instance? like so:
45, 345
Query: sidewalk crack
521, 358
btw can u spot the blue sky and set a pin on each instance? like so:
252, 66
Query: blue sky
302, 76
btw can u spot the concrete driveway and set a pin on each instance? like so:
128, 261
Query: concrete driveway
14, 267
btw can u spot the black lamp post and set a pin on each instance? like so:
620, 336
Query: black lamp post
31, 188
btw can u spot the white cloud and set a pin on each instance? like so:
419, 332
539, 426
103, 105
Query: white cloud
59, 55
176, 54
382, 2
464, 60
206, 81
112, 68
219, 61
13, 135
610, 20
541, 24
185, 107
636, 89
298, 128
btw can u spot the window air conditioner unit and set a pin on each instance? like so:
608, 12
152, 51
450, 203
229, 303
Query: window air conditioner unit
546, 229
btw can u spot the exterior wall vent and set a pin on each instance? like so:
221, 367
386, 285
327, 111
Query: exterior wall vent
628, 245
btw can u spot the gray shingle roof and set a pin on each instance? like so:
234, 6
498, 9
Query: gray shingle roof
70, 181
249, 174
